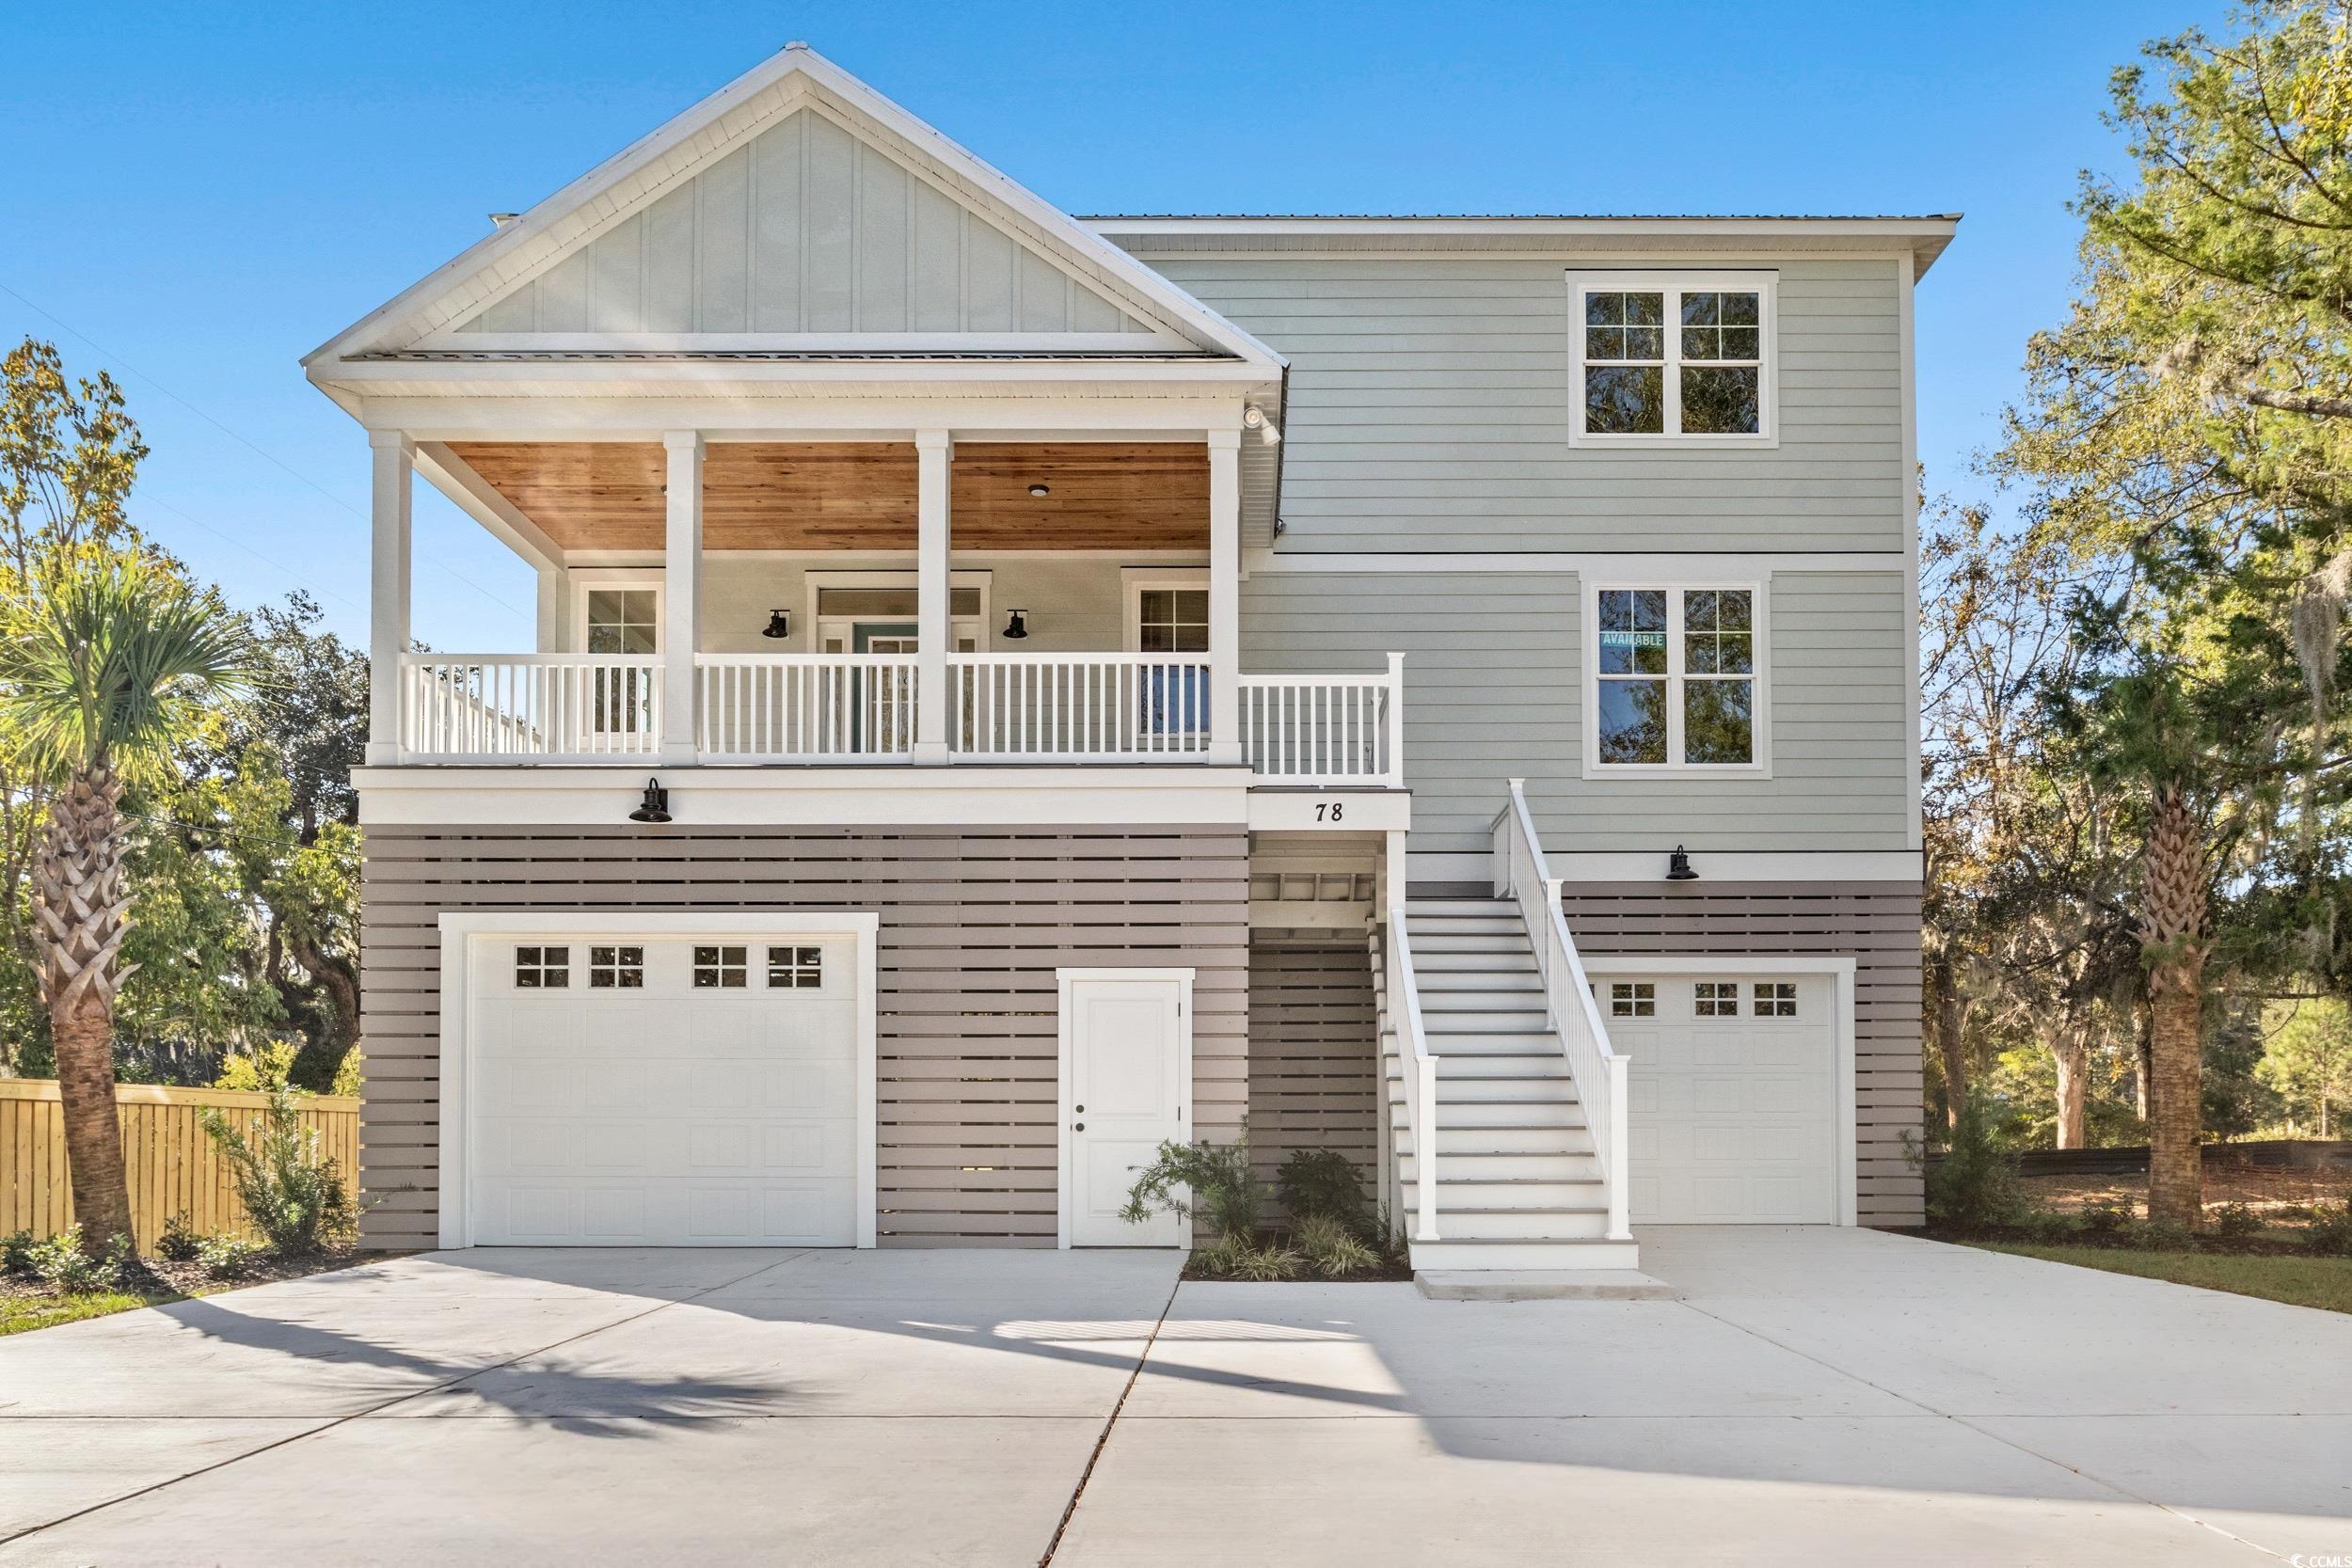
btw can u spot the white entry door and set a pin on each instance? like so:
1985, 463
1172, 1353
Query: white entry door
1126, 1088
638, 1090
1731, 1095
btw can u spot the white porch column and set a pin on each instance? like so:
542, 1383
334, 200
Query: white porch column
1224, 596
394, 459
555, 610
933, 625
683, 593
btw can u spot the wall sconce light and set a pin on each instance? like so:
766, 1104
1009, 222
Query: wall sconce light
1018, 626
779, 623
1040, 490
656, 804
1679, 867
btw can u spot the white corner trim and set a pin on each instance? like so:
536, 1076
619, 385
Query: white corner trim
1839, 972
461, 932
1064, 979
1700, 576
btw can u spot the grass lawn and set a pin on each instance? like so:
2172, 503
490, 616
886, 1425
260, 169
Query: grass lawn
2323, 1282
21, 1312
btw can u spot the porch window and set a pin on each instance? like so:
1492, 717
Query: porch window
624, 621
1175, 696
1172, 621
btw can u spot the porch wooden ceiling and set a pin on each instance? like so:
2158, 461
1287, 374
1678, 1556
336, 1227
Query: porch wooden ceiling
860, 496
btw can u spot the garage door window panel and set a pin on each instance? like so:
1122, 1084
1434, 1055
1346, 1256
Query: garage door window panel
616, 968
796, 968
542, 968
1774, 999
722, 968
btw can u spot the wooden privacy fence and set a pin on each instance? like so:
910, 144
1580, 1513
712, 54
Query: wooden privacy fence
172, 1166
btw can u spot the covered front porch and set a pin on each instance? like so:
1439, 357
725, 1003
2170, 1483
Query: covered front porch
925, 596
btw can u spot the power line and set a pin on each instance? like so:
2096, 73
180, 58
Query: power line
266, 457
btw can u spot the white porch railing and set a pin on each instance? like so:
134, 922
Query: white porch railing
1418, 1068
1597, 1070
1078, 707
552, 707
807, 708
1326, 729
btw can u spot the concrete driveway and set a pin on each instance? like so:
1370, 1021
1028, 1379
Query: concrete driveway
1817, 1397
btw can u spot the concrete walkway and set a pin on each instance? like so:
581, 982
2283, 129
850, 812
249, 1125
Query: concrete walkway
1819, 1397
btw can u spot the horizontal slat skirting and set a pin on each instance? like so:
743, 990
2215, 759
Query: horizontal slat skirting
1312, 1065
974, 924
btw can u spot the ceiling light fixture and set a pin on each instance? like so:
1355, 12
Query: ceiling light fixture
1041, 489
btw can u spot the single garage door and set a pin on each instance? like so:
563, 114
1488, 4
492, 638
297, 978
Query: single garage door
1731, 1108
657, 1091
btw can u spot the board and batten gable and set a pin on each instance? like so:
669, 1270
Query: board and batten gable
1431, 400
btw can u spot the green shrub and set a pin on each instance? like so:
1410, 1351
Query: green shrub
16, 1253
1333, 1248
2164, 1236
1264, 1263
2330, 1232
1216, 1259
1975, 1186
293, 1193
2233, 1221
264, 1068
179, 1242
227, 1256
1216, 1182
62, 1262
1322, 1184
2106, 1219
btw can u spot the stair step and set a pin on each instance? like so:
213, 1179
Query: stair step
1462, 906
1471, 1253
1477, 924
1524, 989
1432, 967
1501, 1065
1477, 1108
1476, 1195
1498, 943
1555, 1141
1503, 1165
1553, 1223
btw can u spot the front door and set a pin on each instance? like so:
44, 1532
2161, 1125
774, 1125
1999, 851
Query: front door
879, 707
1126, 1088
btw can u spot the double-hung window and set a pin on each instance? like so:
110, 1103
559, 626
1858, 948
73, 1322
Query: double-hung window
1676, 679
1673, 358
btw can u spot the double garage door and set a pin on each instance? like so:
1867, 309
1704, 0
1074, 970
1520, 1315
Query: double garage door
1731, 1095
641, 1090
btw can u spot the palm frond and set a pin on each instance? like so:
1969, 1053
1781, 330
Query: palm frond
105, 659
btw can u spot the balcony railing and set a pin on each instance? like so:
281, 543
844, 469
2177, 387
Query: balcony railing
862, 708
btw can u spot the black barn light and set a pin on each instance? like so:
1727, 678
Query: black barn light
1679, 867
656, 804
1018, 626
779, 624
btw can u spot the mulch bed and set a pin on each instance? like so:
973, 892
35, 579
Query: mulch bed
1389, 1272
173, 1280
2260, 1190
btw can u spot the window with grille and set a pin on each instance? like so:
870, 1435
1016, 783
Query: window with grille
1671, 357
796, 968
616, 968
1776, 999
722, 968
1674, 673
542, 968
1715, 999
1633, 999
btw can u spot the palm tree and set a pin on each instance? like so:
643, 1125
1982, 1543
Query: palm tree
105, 657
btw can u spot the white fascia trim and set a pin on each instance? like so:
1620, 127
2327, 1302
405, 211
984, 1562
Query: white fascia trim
1063, 1115
1716, 868
557, 795
1839, 972
1906, 278
797, 75
1726, 564
1155, 412
458, 935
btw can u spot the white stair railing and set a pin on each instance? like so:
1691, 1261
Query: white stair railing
1418, 1068
1326, 729
1597, 1070
462, 707
807, 708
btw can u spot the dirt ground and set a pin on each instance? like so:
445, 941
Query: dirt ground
2258, 1189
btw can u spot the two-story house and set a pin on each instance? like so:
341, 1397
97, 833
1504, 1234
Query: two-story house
1012, 688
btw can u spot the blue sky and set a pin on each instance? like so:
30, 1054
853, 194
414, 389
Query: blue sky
199, 195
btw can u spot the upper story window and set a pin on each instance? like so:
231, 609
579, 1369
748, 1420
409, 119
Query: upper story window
1674, 679
1680, 357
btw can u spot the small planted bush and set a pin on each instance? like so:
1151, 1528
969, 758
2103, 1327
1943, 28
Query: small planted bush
1333, 1249
2330, 1231
1212, 1182
2106, 1219
292, 1192
1322, 1184
180, 1242
65, 1264
228, 1257
16, 1254
2235, 1221
1265, 1263
1974, 1187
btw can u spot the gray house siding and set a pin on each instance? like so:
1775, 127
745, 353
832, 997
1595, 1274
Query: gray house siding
974, 921
1430, 399
1494, 688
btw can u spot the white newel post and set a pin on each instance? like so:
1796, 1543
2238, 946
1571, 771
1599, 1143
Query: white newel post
394, 457
933, 633
682, 608
1225, 596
